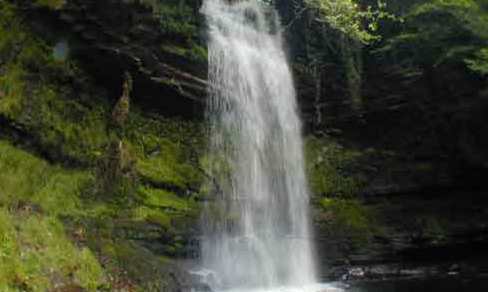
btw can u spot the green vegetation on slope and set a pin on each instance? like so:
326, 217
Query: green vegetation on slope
111, 222
26, 178
36, 255
77, 226
35, 252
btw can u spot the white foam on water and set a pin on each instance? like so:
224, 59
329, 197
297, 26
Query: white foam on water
307, 288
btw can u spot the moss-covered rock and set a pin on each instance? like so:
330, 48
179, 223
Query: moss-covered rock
36, 253
330, 168
52, 4
113, 222
158, 223
135, 36
168, 151
38, 95
37, 256
26, 178
348, 218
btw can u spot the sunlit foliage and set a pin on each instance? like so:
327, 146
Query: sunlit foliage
350, 17
438, 32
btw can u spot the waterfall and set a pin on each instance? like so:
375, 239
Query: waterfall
256, 224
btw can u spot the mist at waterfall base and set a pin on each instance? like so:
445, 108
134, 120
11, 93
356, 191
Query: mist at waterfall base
256, 229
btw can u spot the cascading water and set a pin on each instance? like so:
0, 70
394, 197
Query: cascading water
256, 231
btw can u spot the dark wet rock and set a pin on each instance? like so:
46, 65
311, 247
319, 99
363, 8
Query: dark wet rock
411, 236
434, 126
110, 37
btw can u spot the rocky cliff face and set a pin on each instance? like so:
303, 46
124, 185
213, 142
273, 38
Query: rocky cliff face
431, 123
117, 197
411, 142
159, 43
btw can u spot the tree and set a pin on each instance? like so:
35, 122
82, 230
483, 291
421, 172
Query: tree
443, 31
353, 18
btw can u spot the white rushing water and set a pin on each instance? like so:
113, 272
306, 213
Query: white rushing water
256, 231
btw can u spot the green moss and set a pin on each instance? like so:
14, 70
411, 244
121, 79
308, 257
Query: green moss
163, 168
136, 262
194, 53
327, 164
25, 177
177, 18
349, 218
167, 150
64, 126
159, 218
53, 4
11, 91
34, 94
164, 199
77, 131
35, 254
198, 53
173, 49
34, 191
153, 215
349, 213
33, 198
162, 207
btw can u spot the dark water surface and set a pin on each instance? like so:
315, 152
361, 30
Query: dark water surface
424, 285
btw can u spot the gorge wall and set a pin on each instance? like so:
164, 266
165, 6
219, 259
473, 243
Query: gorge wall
404, 123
